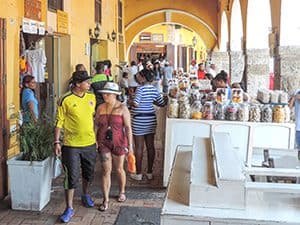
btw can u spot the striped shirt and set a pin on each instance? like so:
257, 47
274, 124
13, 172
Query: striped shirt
143, 116
144, 98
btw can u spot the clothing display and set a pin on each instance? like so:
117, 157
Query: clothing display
36, 60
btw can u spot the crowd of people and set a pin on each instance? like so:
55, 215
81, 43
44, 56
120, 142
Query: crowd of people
114, 119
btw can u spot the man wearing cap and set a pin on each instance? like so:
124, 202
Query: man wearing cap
98, 82
75, 115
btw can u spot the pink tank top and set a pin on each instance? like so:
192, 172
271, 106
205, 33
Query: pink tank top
119, 138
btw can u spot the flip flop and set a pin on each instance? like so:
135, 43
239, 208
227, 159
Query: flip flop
121, 197
104, 206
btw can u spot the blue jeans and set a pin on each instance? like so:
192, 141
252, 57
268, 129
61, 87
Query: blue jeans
298, 139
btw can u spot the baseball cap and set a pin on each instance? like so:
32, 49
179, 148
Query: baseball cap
80, 76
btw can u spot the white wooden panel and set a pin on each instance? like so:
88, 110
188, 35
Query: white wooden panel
180, 132
229, 165
273, 135
239, 134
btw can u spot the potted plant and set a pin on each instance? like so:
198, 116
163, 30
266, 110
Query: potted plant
30, 172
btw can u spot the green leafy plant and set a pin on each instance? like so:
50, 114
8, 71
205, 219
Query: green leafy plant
36, 139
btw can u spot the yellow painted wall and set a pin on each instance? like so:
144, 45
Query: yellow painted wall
81, 20
204, 9
13, 12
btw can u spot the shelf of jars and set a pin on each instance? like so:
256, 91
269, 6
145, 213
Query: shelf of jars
264, 122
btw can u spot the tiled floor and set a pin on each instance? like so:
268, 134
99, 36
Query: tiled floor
144, 194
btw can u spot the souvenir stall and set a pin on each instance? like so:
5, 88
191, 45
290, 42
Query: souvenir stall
33, 58
195, 110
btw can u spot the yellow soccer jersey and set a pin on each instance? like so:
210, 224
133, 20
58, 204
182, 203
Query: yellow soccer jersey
76, 116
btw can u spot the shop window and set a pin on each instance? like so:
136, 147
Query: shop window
120, 15
54, 5
98, 11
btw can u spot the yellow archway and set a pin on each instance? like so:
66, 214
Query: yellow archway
174, 16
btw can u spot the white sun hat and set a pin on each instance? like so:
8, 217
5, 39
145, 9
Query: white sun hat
111, 88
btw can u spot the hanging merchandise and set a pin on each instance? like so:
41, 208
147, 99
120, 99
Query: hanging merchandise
37, 60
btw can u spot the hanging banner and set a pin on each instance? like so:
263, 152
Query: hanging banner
62, 22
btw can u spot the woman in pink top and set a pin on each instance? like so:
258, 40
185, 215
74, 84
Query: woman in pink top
114, 138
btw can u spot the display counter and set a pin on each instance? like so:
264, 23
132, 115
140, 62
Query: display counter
245, 136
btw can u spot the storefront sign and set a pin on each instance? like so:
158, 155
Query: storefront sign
41, 26
26, 26
33, 9
33, 27
62, 22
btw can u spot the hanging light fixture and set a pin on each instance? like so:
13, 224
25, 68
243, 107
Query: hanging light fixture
112, 36
96, 33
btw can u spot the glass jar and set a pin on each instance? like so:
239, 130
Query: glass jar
222, 95
194, 95
173, 108
207, 112
237, 95
196, 110
287, 114
267, 114
220, 111
243, 112
231, 112
278, 114
184, 109
254, 113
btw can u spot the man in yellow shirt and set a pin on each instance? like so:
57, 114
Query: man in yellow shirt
75, 115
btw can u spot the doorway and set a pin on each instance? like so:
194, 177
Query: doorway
3, 119
58, 70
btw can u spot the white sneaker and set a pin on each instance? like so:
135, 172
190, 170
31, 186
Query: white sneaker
149, 176
136, 176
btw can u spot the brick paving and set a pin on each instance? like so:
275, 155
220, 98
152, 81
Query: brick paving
143, 194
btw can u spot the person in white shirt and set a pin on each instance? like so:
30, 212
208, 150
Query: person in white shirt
212, 70
193, 67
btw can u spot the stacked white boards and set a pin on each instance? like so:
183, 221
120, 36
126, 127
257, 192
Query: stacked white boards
207, 186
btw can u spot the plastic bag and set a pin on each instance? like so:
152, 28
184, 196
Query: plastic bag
131, 163
57, 167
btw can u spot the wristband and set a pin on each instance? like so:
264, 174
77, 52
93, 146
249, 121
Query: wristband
56, 142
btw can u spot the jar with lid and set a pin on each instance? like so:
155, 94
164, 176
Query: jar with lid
287, 114
173, 108
278, 114
243, 112
207, 112
196, 110
184, 109
267, 114
254, 113
231, 111
194, 95
220, 111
